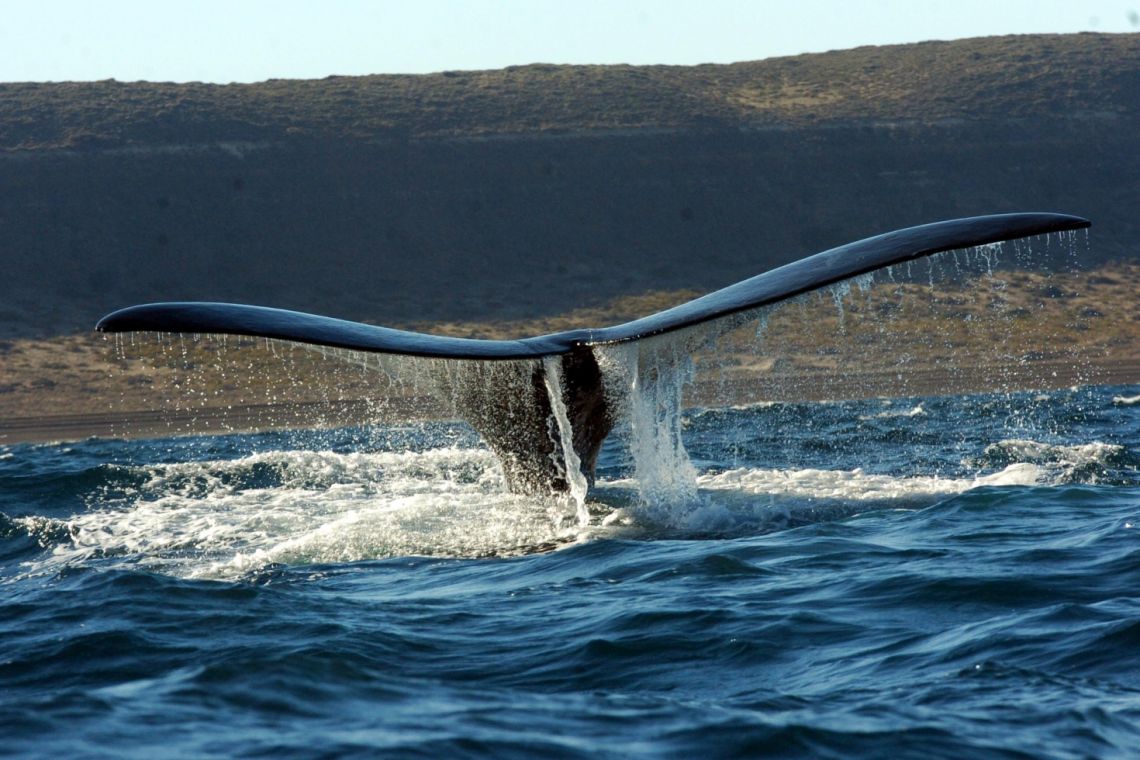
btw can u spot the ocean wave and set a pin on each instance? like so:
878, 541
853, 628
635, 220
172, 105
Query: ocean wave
745, 500
214, 508
914, 411
1092, 462
231, 518
955, 583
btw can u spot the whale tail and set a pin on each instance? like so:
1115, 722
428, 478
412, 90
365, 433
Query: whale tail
519, 393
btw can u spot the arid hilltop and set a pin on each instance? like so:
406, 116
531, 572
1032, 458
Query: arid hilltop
1083, 78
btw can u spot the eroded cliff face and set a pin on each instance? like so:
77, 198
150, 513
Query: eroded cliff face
402, 224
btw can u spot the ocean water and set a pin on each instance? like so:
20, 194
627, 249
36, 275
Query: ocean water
922, 577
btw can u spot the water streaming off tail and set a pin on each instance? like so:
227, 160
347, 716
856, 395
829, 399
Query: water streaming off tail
645, 382
966, 321
565, 457
982, 319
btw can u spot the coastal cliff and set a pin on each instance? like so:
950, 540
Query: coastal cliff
534, 190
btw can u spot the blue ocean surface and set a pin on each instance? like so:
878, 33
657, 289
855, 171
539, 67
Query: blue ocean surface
924, 577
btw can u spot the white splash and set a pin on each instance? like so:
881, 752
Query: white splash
570, 462
1068, 456
196, 519
233, 518
746, 500
858, 486
915, 411
644, 382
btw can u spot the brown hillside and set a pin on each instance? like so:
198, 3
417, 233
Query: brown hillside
1081, 77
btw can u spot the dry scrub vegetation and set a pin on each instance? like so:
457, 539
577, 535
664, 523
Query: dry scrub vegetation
1012, 330
1081, 76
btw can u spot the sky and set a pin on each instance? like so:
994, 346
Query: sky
253, 40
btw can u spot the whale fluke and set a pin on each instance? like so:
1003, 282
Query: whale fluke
532, 458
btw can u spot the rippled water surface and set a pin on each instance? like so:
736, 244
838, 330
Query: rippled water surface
935, 577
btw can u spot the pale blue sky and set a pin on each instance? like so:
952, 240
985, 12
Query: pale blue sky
252, 40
